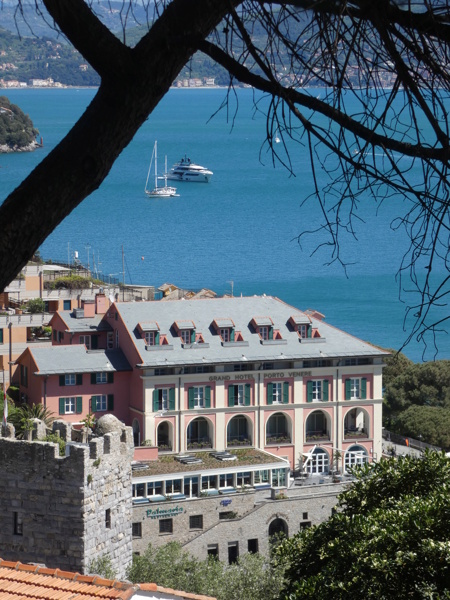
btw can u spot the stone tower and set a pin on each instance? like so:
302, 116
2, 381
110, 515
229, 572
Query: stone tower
65, 511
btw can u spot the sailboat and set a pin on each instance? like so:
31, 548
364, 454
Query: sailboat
158, 192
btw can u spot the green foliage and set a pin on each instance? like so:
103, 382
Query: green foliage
389, 539
252, 578
14, 393
22, 416
36, 305
44, 58
16, 128
56, 439
410, 390
89, 421
71, 282
102, 566
430, 423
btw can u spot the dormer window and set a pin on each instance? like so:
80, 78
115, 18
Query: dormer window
264, 332
152, 338
150, 333
301, 323
185, 335
186, 332
226, 329
304, 331
225, 334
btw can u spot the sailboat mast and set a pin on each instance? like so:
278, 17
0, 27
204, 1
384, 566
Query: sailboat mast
156, 165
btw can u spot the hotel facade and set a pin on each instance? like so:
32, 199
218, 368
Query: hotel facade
216, 375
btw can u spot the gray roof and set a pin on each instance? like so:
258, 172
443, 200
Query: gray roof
84, 324
332, 343
56, 360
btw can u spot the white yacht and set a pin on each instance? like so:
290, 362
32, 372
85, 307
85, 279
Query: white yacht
162, 191
185, 170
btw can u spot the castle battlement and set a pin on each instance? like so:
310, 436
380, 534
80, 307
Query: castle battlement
65, 511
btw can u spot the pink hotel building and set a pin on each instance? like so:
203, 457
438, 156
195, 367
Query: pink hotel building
220, 374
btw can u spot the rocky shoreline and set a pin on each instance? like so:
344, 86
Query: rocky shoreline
4, 149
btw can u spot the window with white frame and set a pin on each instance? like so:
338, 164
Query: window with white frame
154, 488
316, 391
356, 455
225, 334
199, 397
86, 340
150, 338
317, 462
185, 335
303, 331
101, 377
70, 379
139, 490
163, 399
100, 403
174, 486
356, 388
277, 392
264, 332
69, 406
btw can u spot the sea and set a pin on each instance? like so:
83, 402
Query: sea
237, 234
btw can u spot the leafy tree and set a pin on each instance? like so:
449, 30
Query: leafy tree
389, 56
253, 577
102, 566
422, 384
390, 537
428, 423
36, 305
16, 128
22, 416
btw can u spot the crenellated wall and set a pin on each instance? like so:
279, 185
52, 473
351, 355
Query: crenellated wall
66, 511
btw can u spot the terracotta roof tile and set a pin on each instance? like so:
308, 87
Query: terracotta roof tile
26, 582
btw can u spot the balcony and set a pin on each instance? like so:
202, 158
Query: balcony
317, 436
274, 439
355, 433
199, 443
234, 441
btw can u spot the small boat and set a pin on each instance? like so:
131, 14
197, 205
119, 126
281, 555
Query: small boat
163, 191
185, 170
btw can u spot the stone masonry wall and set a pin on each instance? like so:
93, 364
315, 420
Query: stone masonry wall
255, 512
66, 511
294, 512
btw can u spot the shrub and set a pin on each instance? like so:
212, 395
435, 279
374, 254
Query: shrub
35, 305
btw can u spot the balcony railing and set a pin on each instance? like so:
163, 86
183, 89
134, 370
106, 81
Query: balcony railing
238, 440
278, 438
198, 443
355, 433
317, 436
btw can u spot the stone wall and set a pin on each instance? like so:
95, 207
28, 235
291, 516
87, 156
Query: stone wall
251, 532
255, 515
65, 512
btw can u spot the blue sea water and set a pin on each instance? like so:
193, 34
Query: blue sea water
237, 232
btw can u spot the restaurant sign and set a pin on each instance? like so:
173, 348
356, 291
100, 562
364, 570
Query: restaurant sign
163, 513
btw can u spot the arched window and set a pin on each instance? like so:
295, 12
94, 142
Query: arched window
317, 461
164, 436
355, 455
277, 527
238, 432
317, 427
199, 434
277, 429
356, 424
